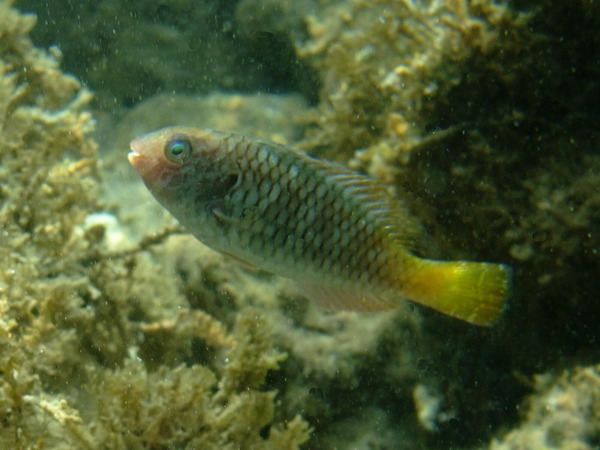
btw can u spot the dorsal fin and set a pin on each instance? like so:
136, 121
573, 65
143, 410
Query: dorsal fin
375, 199
368, 194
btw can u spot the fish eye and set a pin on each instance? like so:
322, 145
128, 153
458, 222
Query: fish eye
178, 149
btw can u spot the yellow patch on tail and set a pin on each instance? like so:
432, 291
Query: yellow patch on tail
473, 292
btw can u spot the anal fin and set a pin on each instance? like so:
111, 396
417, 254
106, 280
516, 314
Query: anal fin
346, 299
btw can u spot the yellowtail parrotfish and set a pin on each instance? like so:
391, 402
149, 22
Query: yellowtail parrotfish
341, 236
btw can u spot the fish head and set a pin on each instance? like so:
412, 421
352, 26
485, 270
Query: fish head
183, 166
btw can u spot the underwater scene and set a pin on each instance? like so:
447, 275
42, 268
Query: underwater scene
300, 224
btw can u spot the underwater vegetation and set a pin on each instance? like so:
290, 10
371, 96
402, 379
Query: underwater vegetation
75, 315
116, 329
562, 413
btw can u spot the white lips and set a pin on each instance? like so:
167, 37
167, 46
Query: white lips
133, 157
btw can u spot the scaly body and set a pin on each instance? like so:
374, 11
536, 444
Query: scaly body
340, 235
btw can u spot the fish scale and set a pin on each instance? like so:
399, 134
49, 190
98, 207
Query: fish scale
340, 235
304, 222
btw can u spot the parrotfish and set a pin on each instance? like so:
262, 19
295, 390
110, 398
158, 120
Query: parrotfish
340, 235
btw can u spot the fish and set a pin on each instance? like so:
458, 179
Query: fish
343, 237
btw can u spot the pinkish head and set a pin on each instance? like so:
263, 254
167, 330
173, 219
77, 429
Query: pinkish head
184, 168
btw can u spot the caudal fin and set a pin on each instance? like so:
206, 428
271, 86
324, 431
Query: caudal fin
473, 292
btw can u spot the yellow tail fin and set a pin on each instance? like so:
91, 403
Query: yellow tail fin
474, 292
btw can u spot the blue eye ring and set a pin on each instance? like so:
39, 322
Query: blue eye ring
178, 149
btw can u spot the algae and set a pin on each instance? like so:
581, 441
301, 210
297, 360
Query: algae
77, 307
563, 412
188, 406
480, 114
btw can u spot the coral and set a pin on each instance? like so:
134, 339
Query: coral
564, 412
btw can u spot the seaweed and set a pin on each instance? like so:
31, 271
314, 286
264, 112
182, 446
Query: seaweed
80, 302
481, 115
189, 407
563, 412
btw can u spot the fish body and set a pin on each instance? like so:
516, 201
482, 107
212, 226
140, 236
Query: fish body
340, 235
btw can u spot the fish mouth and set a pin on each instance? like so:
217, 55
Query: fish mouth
134, 157
144, 163
137, 160
136, 154
143, 166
